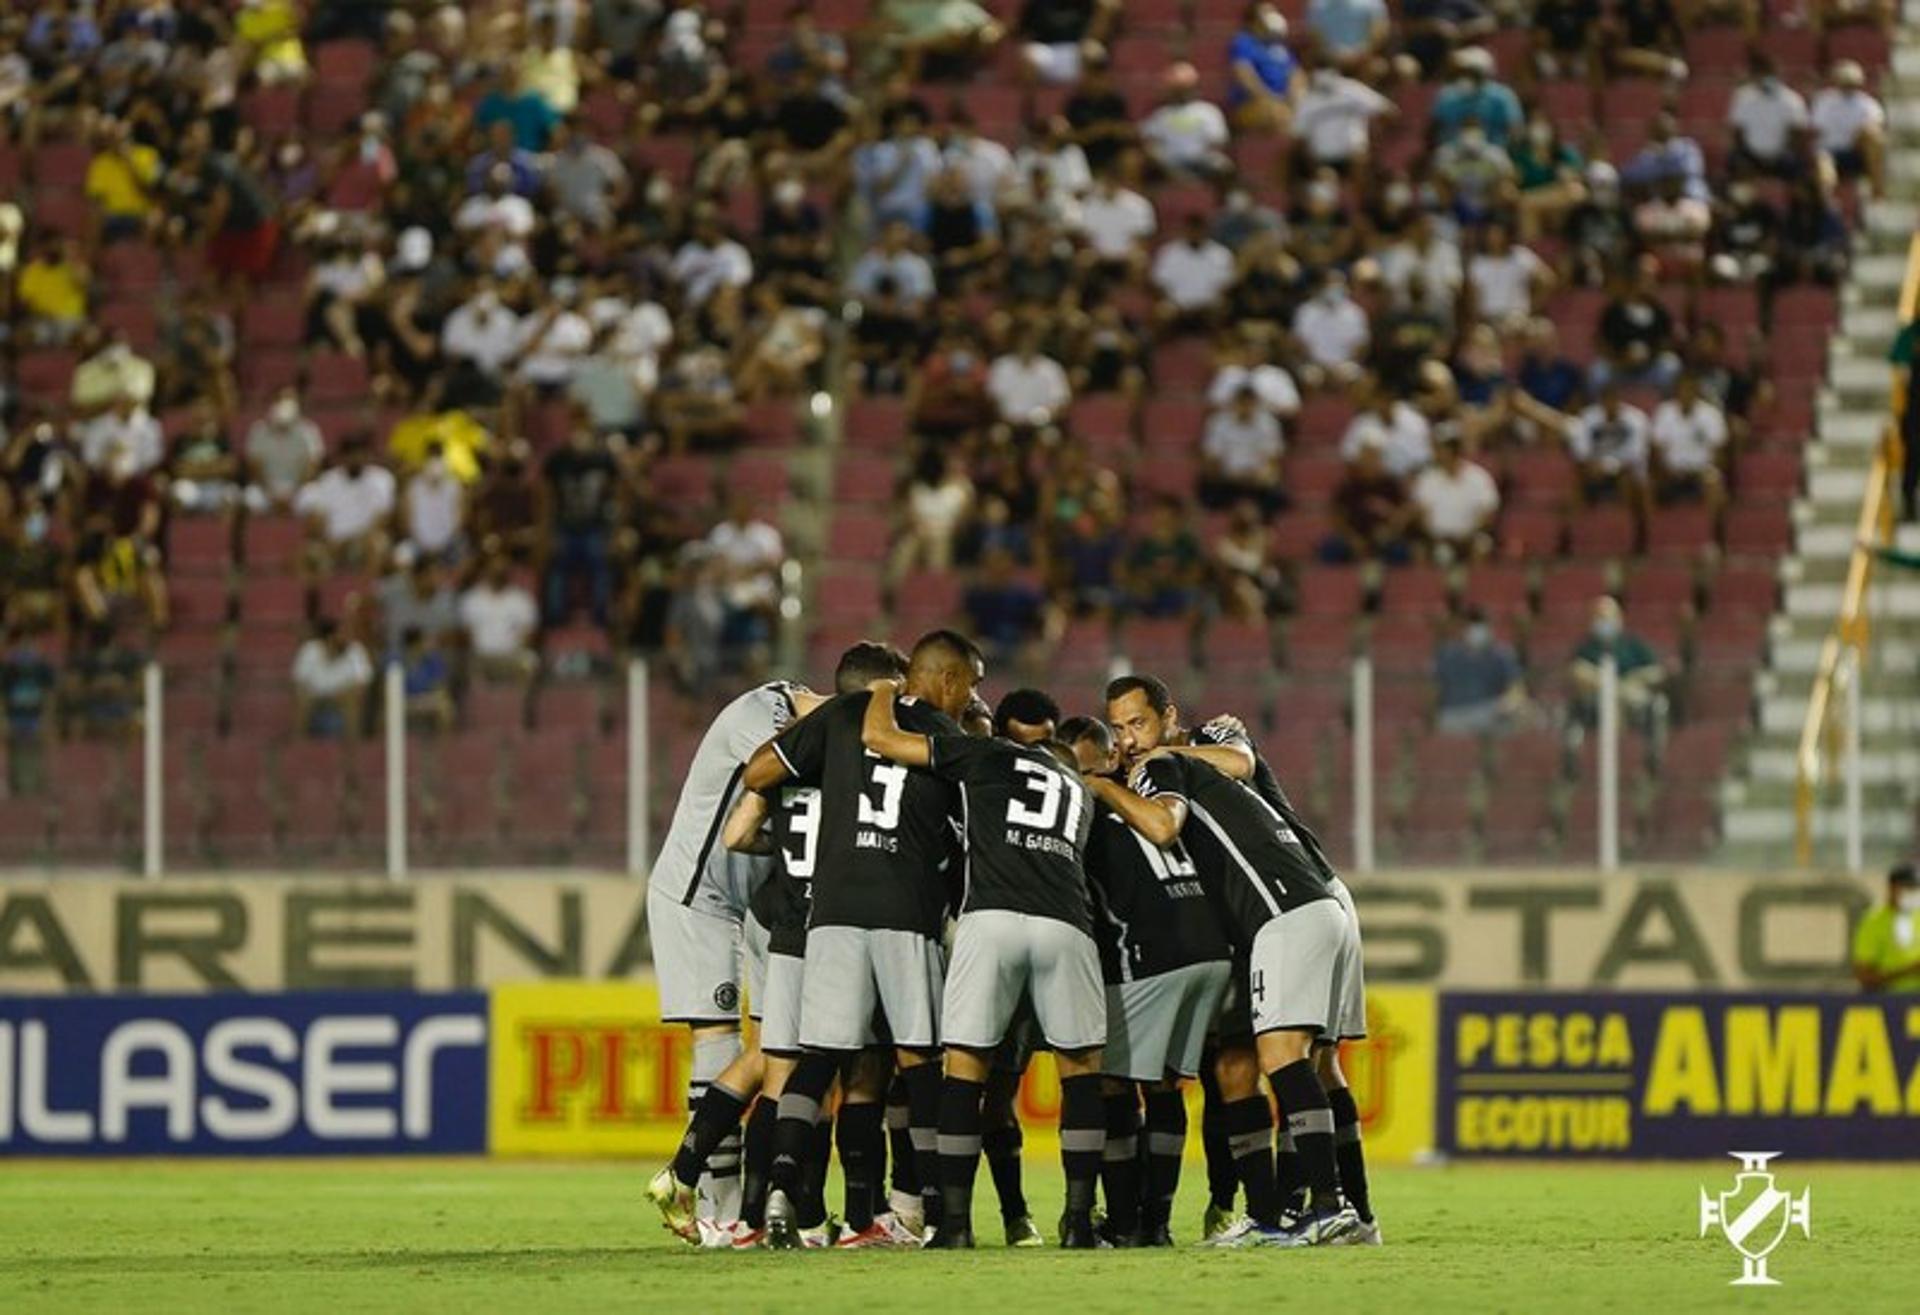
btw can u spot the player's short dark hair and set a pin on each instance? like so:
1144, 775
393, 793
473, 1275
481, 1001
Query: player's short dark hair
1904, 874
1159, 697
1075, 729
1061, 754
1029, 707
866, 662
948, 644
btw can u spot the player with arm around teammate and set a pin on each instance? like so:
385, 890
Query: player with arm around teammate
873, 965
1225, 743
1271, 893
1166, 966
1024, 930
785, 830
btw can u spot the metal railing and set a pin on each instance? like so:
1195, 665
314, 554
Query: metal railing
1843, 653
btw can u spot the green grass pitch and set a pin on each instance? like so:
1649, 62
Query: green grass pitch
466, 1236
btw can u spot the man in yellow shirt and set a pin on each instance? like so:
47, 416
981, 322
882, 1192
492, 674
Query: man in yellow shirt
1886, 944
120, 181
52, 289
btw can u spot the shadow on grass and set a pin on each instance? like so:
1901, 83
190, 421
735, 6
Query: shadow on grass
479, 1260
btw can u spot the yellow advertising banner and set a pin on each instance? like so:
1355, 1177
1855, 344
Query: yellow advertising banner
586, 1069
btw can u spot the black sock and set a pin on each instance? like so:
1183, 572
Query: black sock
863, 1140
1349, 1154
793, 1130
1083, 1139
905, 1173
1298, 1090
1166, 1144
757, 1162
1223, 1181
923, 1125
1120, 1161
1003, 1147
1249, 1128
714, 1118
959, 1150
1287, 1178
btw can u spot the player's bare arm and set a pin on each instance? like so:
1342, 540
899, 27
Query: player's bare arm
1159, 820
880, 730
745, 831
1234, 760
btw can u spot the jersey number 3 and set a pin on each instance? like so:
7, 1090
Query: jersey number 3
890, 781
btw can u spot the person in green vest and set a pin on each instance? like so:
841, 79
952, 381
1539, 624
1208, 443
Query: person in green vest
1886, 944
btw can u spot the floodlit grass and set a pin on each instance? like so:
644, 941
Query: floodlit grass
470, 1235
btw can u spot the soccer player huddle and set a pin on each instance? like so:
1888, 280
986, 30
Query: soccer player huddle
919, 891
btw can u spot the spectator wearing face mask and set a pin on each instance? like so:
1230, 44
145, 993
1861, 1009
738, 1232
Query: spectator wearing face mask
1266, 80
1333, 333
283, 450
1768, 118
1478, 685
1642, 679
433, 508
1886, 943
1240, 454
348, 509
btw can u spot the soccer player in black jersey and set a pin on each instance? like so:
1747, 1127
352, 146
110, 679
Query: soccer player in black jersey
779, 906
880, 894
1024, 931
1273, 896
1025, 716
1243, 761
1165, 962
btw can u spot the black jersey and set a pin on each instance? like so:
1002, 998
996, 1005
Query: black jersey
1268, 787
1252, 861
885, 843
784, 899
1151, 912
1026, 819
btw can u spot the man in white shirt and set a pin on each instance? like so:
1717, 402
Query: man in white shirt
709, 260
1029, 390
636, 335
1240, 366
1609, 441
331, 676
1403, 436
1424, 251
347, 509
1689, 436
128, 427
1849, 127
1187, 136
1192, 275
482, 331
1117, 223
1335, 118
1457, 501
1505, 278
1333, 332
435, 507
1766, 114
986, 164
500, 619
498, 212
552, 342
749, 552
1240, 454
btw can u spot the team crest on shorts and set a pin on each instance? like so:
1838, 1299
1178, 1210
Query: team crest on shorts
726, 996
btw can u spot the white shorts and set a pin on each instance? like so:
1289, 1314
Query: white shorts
701, 962
778, 1005
1000, 956
1298, 970
1350, 1022
1158, 1025
861, 986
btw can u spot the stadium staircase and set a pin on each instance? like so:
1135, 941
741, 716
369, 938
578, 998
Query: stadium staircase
1759, 819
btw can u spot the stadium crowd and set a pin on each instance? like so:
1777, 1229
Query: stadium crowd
1160, 304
